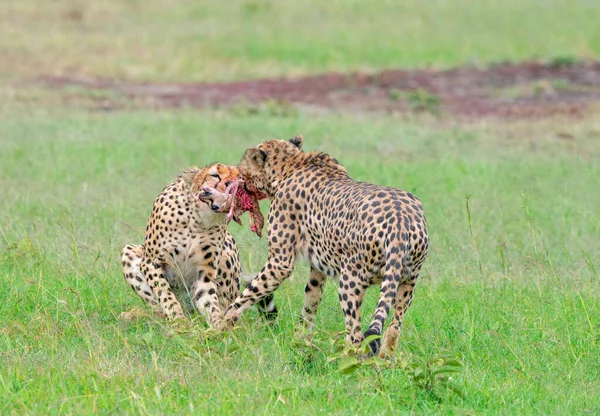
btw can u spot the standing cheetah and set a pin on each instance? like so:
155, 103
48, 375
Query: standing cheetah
362, 233
187, 248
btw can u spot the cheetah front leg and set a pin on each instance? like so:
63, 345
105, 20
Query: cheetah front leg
206, 300
205, 291
270, 278
279, 266
155, 278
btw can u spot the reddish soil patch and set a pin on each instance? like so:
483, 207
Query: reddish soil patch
505, 90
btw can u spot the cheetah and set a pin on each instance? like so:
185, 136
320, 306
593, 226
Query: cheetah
188, 251
361, 233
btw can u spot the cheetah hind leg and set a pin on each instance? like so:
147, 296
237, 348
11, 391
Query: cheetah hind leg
404, 296
266, 306
403, 300
387, 300
313, 293
131, 259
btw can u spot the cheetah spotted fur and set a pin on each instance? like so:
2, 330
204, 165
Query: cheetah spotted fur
364, 234
187, 252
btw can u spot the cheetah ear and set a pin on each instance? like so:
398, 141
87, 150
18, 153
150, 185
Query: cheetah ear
263, 155
188, 175
297, 141
259, 156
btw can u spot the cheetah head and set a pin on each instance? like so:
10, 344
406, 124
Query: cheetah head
216, 176
262, 166
222, 189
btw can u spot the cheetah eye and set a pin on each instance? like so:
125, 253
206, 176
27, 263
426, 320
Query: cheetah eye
215, 175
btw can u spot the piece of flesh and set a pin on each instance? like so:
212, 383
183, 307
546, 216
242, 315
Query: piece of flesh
246, 201
240, 199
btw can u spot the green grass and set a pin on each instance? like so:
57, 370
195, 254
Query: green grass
185, 40
525, 325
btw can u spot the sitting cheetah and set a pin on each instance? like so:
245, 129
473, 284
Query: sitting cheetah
363, 233
187, 248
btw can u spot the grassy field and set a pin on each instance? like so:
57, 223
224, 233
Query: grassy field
185, 40
525, 325
511, 286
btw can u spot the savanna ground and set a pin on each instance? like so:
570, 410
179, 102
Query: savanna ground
511, 286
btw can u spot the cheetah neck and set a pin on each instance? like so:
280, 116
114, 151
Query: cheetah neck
205, 221
315, 161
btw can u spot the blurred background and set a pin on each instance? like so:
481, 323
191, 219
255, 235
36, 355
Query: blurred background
79, 43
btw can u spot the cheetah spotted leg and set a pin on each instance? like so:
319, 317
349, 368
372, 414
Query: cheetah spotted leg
229, 279
266, 306
403, 300
155, 276
131, 259
228, 287
270, 278
313, 292
404, 297
279, 267
206, 299
351, 300
229, 272
387, 296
